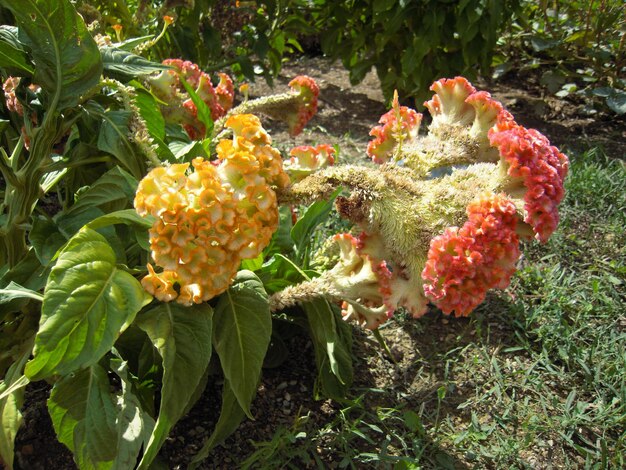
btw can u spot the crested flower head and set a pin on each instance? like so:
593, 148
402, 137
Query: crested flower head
180, 108
463, 264
306, 159
540, 167
400, 124
307, 92
448, 105
208, 220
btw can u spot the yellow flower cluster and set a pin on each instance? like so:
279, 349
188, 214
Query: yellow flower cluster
210, 219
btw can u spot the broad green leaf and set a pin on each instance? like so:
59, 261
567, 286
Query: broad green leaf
134, 426
302, 231
46, 239
281, 241
10, 405
113, 138
182, 335
12, 54
617, 101
28, 273
332, 340
84, 416
151, 113
88, 302
67, 60
231, 415
15, 291
243, 327
126, 217
280, 272
125, 64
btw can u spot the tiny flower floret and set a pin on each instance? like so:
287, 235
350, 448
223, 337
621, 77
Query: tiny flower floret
463, 264
207, 220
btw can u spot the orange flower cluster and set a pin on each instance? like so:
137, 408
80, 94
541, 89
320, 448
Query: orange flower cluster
306, 159
210, 219
307, 91
180, 107
463, 264
400, 124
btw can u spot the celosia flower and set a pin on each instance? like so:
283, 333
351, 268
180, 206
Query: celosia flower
400, 124
307, 92
180, 107
210, 219
448, 105
463, 264
306, 159
362, 282
542, 168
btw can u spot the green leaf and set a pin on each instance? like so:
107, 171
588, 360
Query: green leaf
617, 102
126, 217
302, 231
333, 341
125, 64
15, 291
231, 415
88, 302
182, 335
151, 113
113, 138
84, 416
204, 112
280, 272
243, 327
67, 60
10, 405
12, 54
46, 239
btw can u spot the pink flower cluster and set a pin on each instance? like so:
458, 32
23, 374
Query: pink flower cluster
306, 159
168, 87
463, 264
307, 91
401, 123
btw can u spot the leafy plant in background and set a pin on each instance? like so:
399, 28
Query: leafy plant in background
411, 43
578, 45
250, 37
145, 206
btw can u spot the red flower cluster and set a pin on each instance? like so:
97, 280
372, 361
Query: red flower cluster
541, 167
463, 264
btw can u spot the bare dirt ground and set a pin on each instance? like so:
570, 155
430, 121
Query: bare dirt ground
346, 115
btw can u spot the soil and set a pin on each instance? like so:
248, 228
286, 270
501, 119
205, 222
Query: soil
346, 115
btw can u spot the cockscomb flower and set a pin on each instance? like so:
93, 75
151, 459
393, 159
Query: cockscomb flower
400, 124
307, 92
448, 105
180, 108
306, 159
540, 168
208, 220
463, 264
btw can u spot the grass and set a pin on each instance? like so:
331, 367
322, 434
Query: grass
536, 377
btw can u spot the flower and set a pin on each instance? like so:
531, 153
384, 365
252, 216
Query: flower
463, 264
541, 168
400, 124
307, 91
211, 218
306, 159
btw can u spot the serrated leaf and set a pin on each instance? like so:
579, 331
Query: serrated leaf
84, 414
182, 335
88, 302
243, 328
66, 57
128, 65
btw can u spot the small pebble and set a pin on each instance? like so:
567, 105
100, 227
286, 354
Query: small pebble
281, 386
